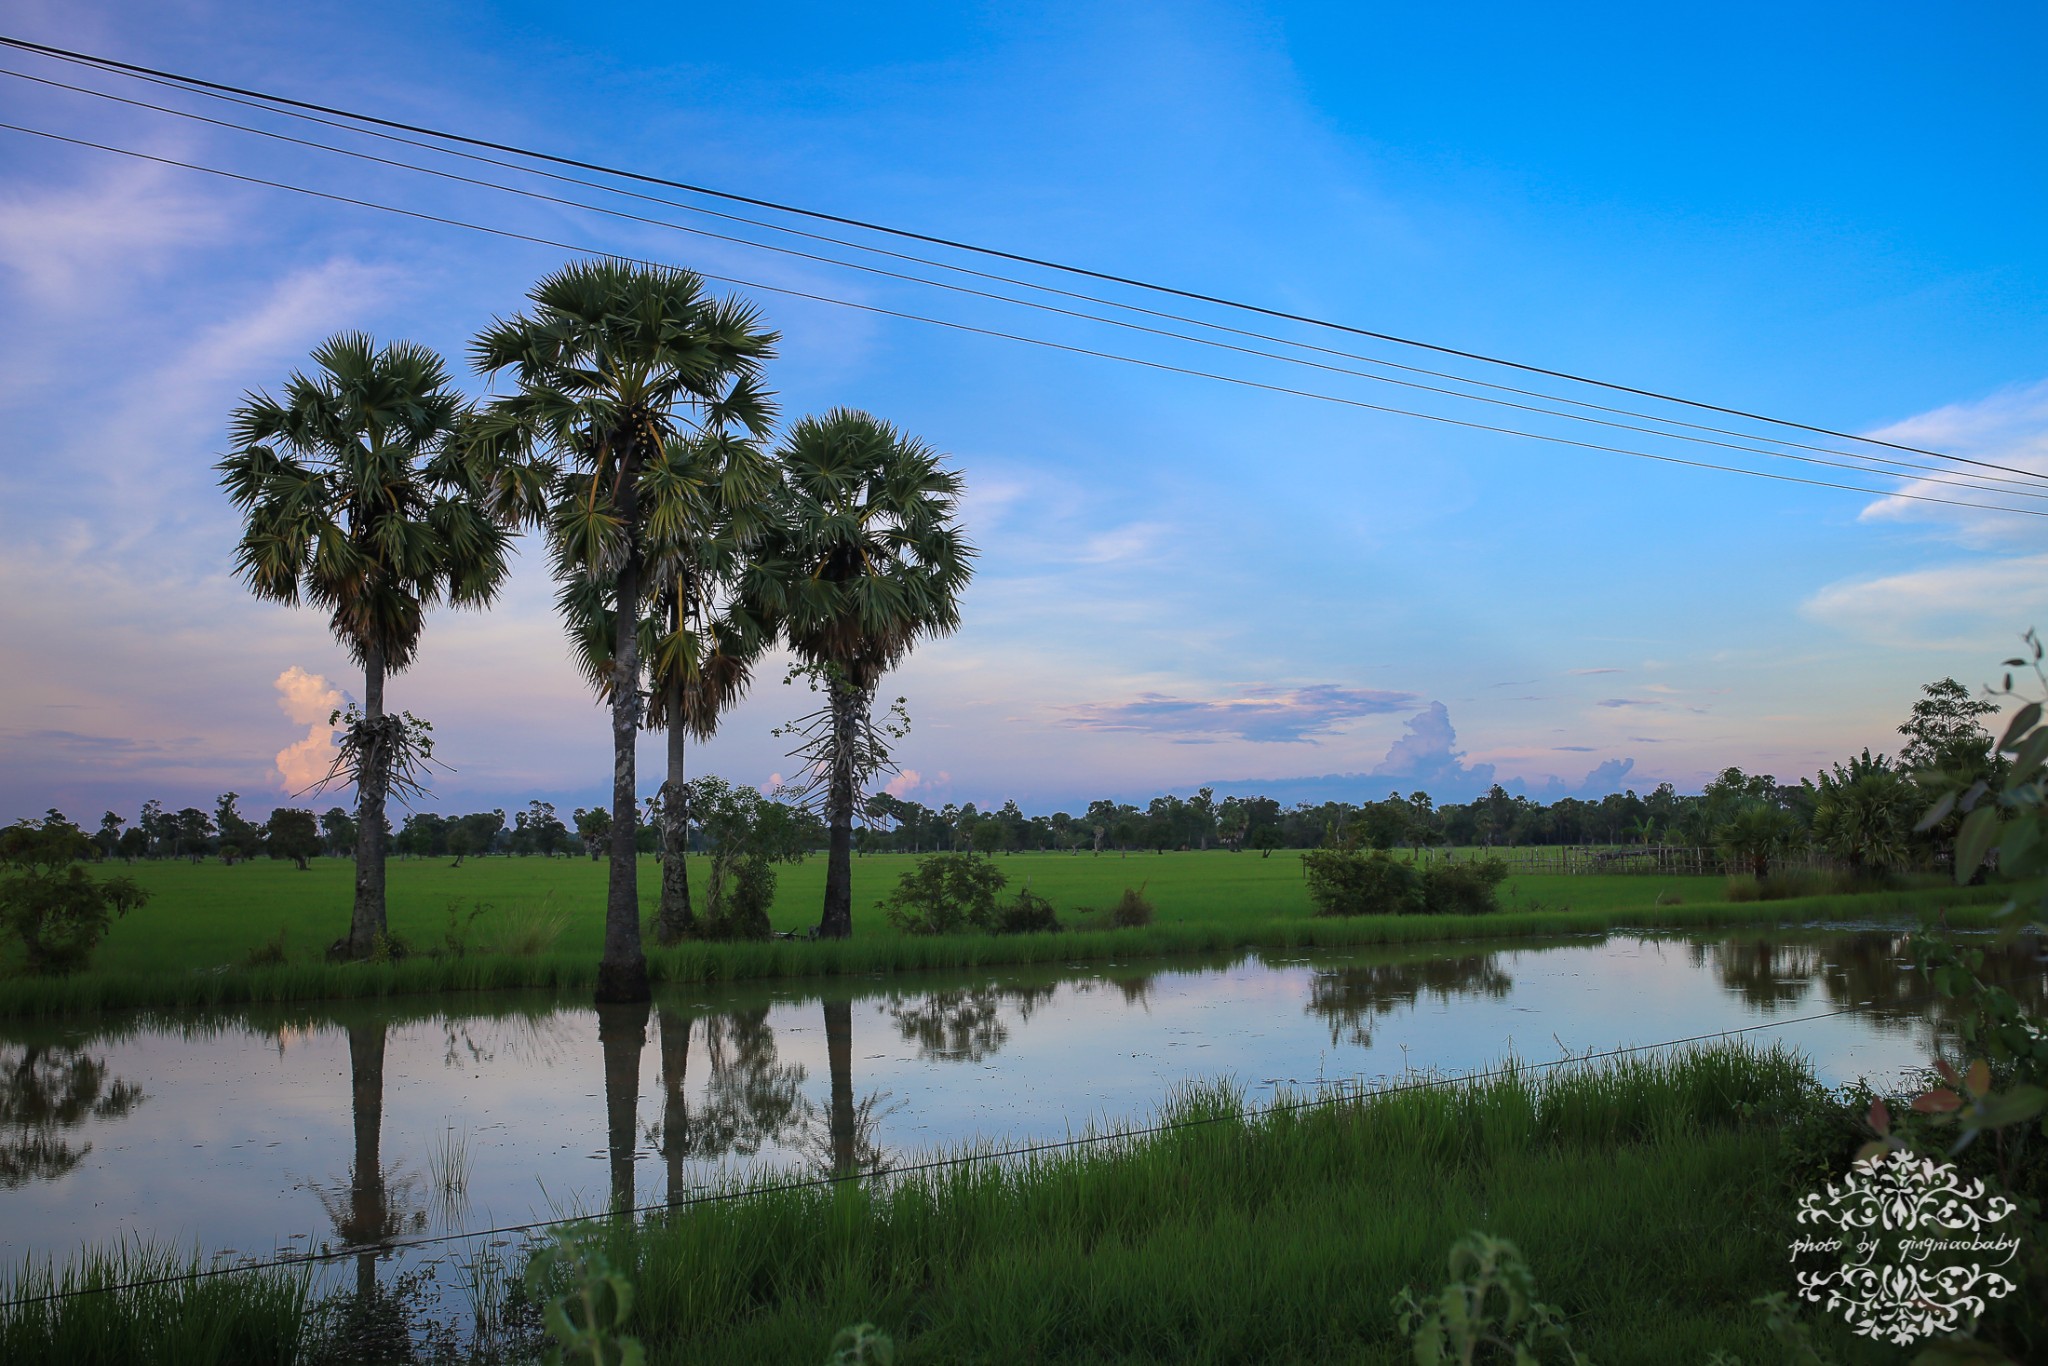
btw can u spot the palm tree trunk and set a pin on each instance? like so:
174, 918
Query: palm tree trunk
367, 924
622, 971
676, 920
622, 1034
675, 1098
839, 1056
849, 704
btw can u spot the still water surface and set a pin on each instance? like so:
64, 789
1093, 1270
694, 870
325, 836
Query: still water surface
249, 1133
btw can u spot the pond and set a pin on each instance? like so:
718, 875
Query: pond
352, 1124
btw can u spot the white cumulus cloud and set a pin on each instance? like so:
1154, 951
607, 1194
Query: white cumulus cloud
306, 699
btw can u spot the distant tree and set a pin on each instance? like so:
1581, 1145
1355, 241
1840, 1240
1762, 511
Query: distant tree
358, 498
1864, 812
134, 845
594, 828
109, 838
192, 833
461, 843
1758, 834
51, 907
239, 837
1266, 839
294, 834
339, 832
538, 830
156, 829
1944, 730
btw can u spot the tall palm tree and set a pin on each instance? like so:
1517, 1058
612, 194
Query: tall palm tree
358, 498
866, 560
708, 499
614, 362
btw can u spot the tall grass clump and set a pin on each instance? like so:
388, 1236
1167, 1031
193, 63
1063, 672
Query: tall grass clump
524, 929
241, 1319
1247, 1233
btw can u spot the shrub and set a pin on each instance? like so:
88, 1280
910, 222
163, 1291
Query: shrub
1028, 914
1463, 888
1349, 882
524, 929
946, 894
1131, 910
48, 904
270, 953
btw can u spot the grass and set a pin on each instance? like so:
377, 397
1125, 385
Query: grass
239, 1318
183, 950
1649, 1196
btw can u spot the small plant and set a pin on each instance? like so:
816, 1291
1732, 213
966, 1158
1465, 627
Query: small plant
585, 1301
860, 1345
270, 953
48, 904
1131, 910
454, 934
1488, 1312
1028, 914
525, 929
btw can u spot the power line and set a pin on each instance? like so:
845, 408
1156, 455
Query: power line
2027, 476
197, 83
1977, 483
1161, 366
935, 1164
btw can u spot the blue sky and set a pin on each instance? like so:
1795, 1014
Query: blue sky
1832, 214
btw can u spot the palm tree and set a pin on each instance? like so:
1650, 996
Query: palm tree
358, 498
867, 560
613, 363
1864, 814
708, 500
1757, 835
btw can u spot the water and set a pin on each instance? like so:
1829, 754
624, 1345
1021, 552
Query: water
256, 1132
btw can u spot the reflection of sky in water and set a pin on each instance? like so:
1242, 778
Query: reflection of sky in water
239, 1127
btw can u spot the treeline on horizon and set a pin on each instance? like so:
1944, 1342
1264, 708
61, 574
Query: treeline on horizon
1863, 811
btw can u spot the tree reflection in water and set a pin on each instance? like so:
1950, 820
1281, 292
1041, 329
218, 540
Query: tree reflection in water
1351, 999
963, 1024
45, 1091
751, 1097
847, 1143
1870, 972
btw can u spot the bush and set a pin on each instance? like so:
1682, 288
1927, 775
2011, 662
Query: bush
1782, 886
1028, 914
1131, 910
270, 953
1463, 888
1350, 882
48, 904
946, 894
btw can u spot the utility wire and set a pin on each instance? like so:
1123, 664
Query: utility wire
197, 83
2027, 476
1977, 483
1161, 366
935, 1164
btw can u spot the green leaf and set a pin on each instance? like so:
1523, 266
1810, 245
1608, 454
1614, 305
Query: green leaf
1938, 813
2031, 752
1979, 833
2016, 1106
2024, 720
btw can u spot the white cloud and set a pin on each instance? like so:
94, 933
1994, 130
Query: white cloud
307, 699
67, 243
1955, 607
2008, 428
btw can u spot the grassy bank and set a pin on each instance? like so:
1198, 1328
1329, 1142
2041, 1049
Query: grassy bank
870, 953
1649, 1197
207, 915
